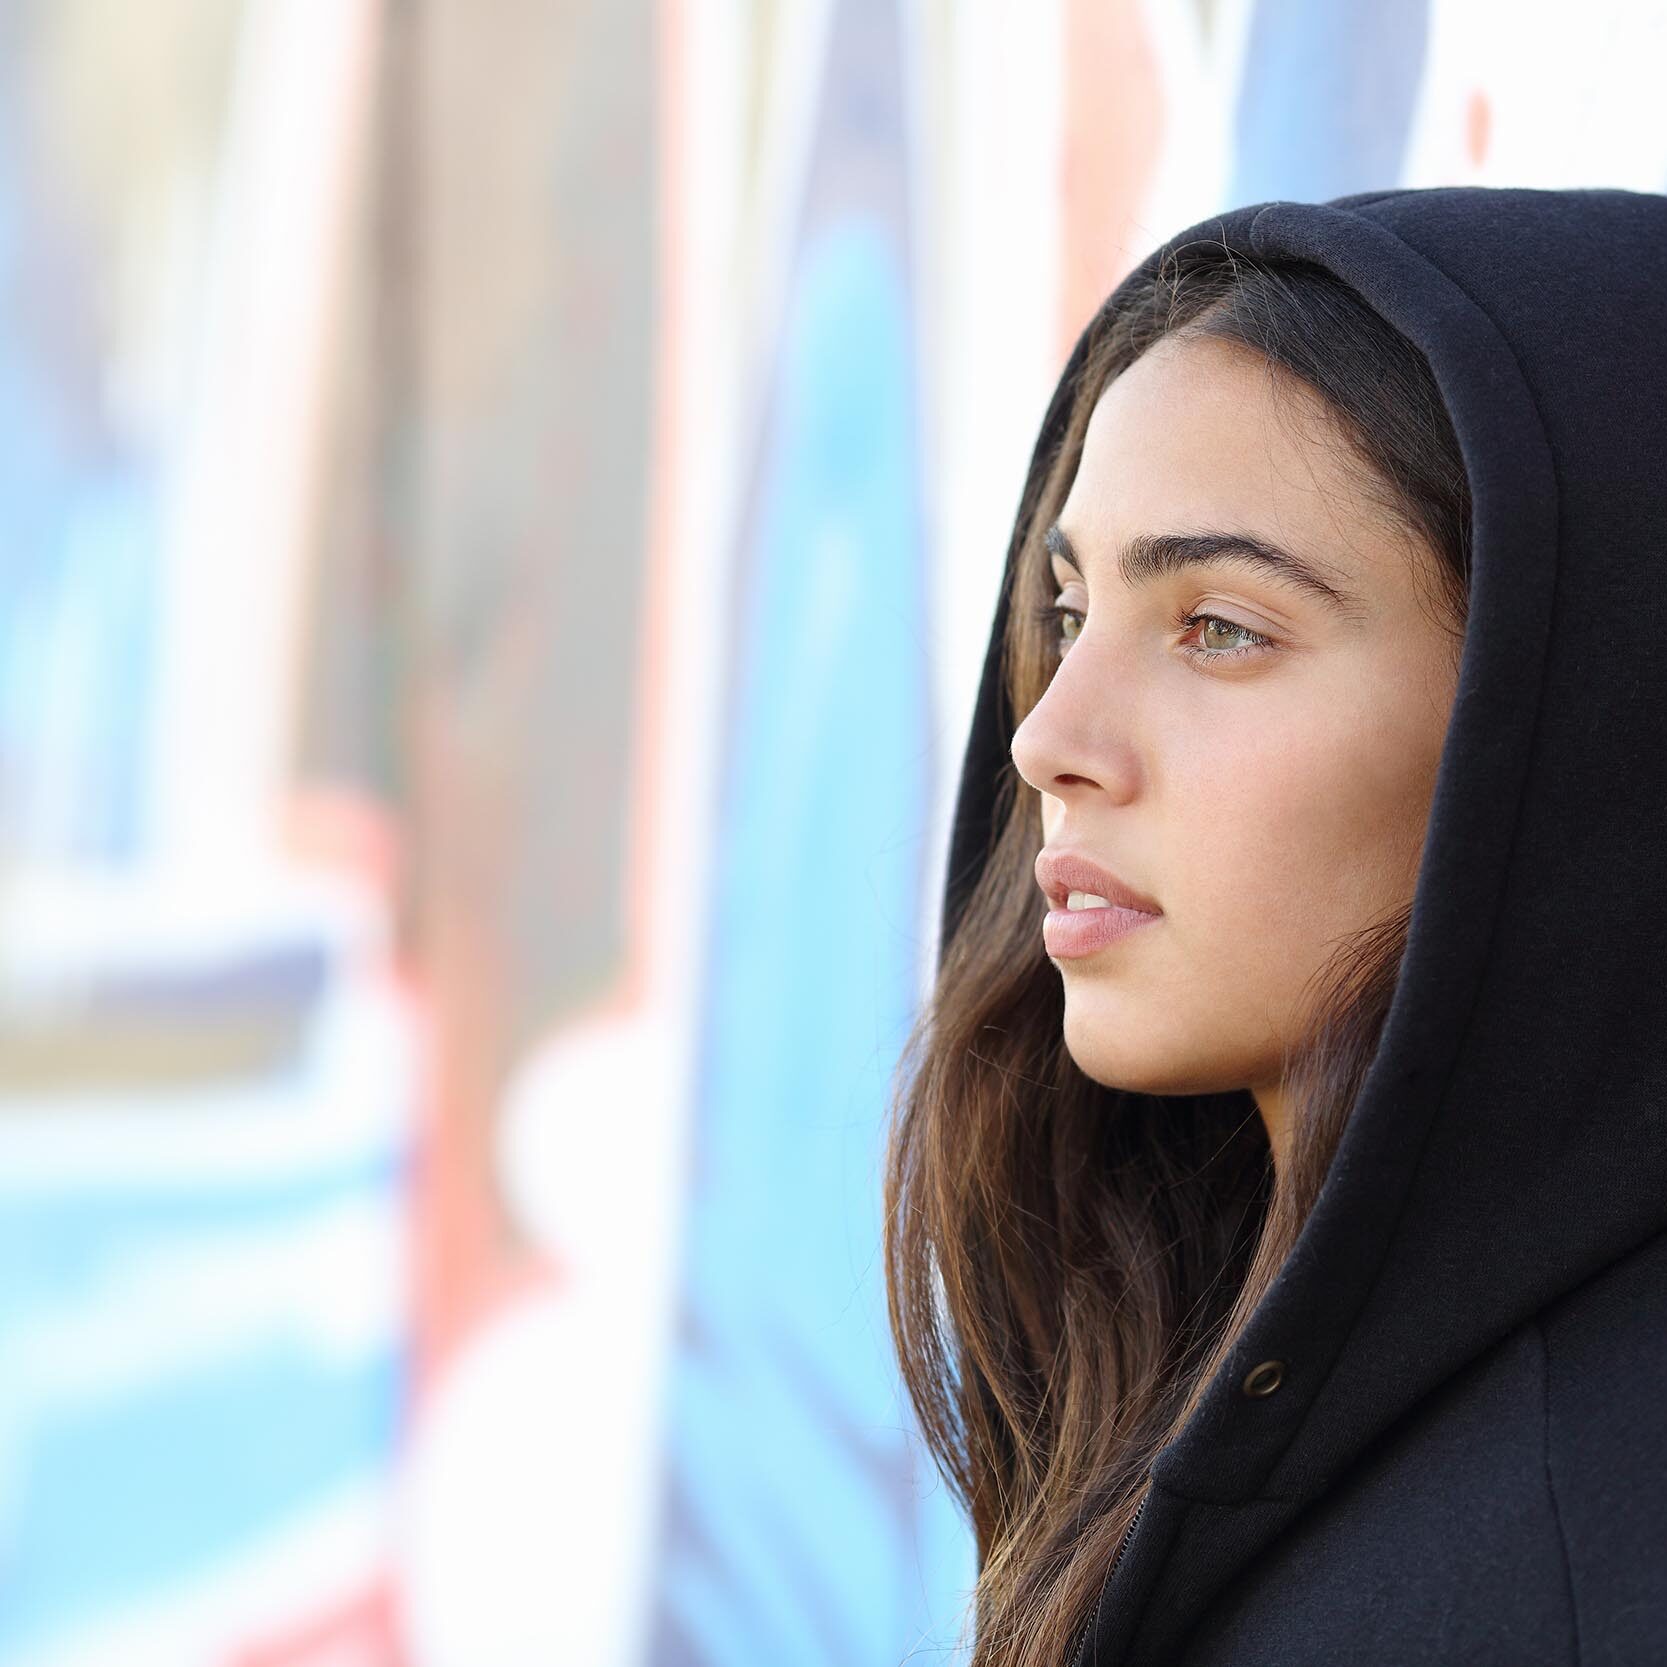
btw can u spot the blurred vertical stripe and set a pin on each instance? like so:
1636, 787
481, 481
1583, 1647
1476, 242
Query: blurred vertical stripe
799, 1511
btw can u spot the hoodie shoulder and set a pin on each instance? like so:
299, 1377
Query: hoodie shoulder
1605, 1350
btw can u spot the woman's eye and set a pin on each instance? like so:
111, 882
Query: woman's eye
1217, 639
1221, 639
1065, 625
1225, 628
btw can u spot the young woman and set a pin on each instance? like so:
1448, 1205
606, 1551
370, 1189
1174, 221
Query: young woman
1277, 1192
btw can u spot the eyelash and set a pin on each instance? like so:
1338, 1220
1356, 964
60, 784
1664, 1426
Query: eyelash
1051, 614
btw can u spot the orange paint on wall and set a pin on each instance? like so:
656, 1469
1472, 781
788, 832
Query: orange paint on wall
340, 827
1478, 127
1114, 125
361, 1630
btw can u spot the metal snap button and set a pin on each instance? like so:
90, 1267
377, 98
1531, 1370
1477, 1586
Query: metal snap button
1264, 1379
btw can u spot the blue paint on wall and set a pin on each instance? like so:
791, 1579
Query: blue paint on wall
121, 1498
138, 1480
1326, 98
804, 1524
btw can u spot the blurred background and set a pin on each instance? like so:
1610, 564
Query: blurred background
501, 503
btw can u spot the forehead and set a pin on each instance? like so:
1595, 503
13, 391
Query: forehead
1202, 433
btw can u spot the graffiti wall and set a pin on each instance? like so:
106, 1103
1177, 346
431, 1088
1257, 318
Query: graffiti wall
500, 509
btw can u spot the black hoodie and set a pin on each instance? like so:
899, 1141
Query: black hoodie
1466, 1458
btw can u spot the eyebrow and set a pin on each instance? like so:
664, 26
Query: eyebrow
1151, 556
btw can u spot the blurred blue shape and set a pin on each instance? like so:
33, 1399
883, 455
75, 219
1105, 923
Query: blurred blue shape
78, 576
1326, 99
200, 1444
124, 1499
805, 1523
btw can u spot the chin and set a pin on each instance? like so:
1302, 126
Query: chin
1113, 1067
1140, 1070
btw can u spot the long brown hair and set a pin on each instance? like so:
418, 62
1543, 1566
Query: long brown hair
1067, 1265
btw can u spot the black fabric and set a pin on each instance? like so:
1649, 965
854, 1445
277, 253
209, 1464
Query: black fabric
1467, 1458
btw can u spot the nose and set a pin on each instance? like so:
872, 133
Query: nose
1072, 740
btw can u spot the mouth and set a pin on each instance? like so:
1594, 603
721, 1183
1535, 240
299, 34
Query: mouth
1075, 884
1069, 935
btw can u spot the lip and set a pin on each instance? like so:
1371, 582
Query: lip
1073, 932
1059, 872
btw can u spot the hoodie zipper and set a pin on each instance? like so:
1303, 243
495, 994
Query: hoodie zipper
1099, 1603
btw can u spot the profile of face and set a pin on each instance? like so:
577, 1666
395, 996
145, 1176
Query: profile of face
1263, 773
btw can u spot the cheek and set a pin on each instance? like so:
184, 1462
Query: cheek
1286, 839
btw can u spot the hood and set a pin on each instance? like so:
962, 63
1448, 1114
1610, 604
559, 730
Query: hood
1510, 1139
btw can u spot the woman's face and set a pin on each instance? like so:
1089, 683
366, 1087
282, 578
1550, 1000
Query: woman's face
1263, 776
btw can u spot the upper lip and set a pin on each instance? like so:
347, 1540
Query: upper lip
1060, 872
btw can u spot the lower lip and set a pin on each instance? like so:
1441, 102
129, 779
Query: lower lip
1073, 932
